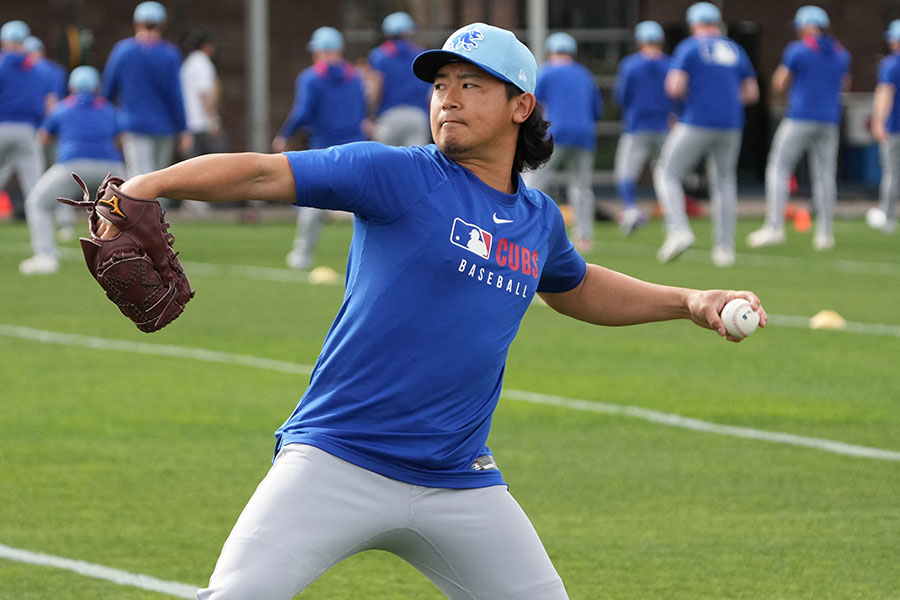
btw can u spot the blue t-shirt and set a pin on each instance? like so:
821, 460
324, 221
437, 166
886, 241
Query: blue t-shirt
716, 67
441, 270
393, 59
640, 91
143, 79
86, 126
817, 65
330, 103
572, 102
889, 72
24, 85
57, 79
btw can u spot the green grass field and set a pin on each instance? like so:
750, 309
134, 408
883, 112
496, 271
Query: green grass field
142, 462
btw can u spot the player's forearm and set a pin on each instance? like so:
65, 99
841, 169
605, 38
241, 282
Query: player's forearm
882, 103
219, 178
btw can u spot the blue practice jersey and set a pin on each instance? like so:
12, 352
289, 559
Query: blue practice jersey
441, 270
818, 65
86, 126
889, 73
393, 59
640, 91
24, 85
330, 103
57, 79
143, 79
716, 66
572, 102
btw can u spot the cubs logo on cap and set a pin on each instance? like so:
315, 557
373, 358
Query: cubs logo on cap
495, 50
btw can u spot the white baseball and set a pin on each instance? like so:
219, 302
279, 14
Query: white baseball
740, 320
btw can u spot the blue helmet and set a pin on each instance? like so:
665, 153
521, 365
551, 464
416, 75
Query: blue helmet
561, 43
398, 23
14, 31
703, 12
811, 15
152, 13
893, 31
84, 79
649, 31
325, 39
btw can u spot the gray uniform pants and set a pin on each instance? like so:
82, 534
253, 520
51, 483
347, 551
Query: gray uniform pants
890, 175
685, 147
20, 152
313, 510
634, 150
309, 224
57, 182
579, 185
792, 138
144, 153
402, 125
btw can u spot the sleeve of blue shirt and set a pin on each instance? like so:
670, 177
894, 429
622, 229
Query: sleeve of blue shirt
304, 101
565, 268
51, 121
789, 56
746, 67
111, 73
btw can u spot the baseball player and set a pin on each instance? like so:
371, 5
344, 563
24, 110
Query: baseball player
386, 449
568, 92
646, 111
85, 127
815, 69
142, 77
713, 76
402, 98
330, 103
24, 96
886, 129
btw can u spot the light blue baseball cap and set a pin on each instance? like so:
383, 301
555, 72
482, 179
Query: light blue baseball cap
325, 39
33, 44
495, 50
811, 15
703, 12
893, 31
84, 79
14, 31
152, 13
649, 31
397, 23
561, 43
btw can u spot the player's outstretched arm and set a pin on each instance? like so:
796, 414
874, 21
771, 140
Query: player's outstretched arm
219, 178
606, 297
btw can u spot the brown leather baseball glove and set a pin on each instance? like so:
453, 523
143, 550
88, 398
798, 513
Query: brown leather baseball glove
137, 268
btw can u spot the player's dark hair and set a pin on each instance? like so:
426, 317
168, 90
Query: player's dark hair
534, 146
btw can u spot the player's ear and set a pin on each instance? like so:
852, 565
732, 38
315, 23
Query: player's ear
523, 105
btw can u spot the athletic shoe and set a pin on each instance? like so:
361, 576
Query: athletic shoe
876, 219
631, 219
39, 264
295, 260
674, 245
767, 236
723, 256
823, 241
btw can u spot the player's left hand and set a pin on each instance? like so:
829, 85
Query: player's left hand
705, 307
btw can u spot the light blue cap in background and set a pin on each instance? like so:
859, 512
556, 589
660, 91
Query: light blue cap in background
14, 31
84, 79
152, 13
495, 50
703, 12
398, 23
893, 31
33, 44
811, 15
649, 31
561, 43
325, 39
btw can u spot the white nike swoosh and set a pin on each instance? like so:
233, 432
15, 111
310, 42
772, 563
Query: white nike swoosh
500, 221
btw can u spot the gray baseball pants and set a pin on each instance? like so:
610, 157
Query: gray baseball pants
145, 153
19, 148
579, 186
685, 147
889, 192
313, 510
634, 150
402, 126
792, 138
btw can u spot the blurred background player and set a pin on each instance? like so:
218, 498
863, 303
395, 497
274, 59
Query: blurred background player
714, 77
401, 98
86, 127
330, 104
142, 77
202, 91
24, 96
573, 105
886, 129
814, 70
646, 110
